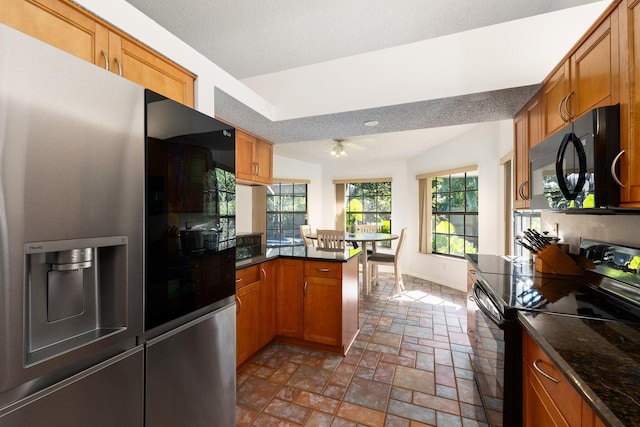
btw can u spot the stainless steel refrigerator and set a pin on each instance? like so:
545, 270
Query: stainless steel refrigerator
71, 240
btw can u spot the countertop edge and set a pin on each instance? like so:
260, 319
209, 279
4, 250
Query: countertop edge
264, 258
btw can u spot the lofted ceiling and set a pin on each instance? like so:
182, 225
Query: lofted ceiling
426, 70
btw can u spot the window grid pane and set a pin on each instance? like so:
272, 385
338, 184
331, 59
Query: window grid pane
369, 203
454, 207
286, 212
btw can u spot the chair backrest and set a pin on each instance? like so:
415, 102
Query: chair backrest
403, 233
304, 231
330, 239
366, 228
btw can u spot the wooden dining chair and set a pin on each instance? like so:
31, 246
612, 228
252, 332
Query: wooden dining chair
304, 231
378, 258
367, 228
330, 239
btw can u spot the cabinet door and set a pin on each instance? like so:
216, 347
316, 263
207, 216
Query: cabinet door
553, 95
245, 166
322, 310
147, 68
594, 69
59, 25
630, 161
247, 321
289, 299
263, 156
521, 162
267, 302
560, 401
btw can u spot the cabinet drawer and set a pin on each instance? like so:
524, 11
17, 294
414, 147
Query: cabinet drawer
247, 275
561, 393
323, 269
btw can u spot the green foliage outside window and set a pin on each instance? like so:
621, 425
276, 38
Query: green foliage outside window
369, 203
455, 214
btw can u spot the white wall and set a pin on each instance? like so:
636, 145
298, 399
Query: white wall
483, 146
127, 18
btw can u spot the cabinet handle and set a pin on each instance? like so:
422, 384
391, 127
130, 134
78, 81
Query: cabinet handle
521, 190
238, 305
613, 169
239, 280
560, 110
566, 108
525, 185
106, 60
304, 289
255, 168
324, 270
119, 66
264, 274
543, 373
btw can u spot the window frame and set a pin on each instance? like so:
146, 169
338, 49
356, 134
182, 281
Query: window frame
426, 215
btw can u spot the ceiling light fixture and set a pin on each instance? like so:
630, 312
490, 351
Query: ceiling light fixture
338, 149
371, 123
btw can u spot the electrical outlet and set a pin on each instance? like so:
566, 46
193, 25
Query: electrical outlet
555, 229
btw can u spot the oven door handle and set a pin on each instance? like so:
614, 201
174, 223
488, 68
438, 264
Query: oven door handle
495, 316
582, 161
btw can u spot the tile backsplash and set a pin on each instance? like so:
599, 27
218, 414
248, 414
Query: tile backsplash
619, 229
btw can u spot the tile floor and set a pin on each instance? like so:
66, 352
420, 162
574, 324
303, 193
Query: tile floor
409, 366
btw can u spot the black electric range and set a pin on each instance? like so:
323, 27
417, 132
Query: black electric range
608, 290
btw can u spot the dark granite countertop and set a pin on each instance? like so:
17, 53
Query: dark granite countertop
299, 252
601, 358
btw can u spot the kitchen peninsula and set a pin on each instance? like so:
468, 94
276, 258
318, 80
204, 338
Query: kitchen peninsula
298, 295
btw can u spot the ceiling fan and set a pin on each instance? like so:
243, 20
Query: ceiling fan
341, 144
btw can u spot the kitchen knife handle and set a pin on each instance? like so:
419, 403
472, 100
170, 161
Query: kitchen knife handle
613, 169
543, 373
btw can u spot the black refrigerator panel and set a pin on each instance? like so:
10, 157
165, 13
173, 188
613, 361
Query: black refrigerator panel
190, 212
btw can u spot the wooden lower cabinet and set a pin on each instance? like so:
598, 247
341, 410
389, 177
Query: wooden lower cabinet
247, 320
267, 327
549, 400
255, 309
289, 298
308, 303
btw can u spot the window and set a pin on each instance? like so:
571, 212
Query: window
286, 212
454, 214
448, 209
220, 199
369, 203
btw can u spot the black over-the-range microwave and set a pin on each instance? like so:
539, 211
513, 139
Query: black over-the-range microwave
577, 167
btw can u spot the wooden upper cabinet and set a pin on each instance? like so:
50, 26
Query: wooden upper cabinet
630, 109
254, 159
145, 67
62, 24
527, 133
589, 78
56, 23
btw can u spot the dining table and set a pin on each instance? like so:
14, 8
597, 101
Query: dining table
358, 239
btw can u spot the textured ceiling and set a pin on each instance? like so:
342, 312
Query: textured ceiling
253, 39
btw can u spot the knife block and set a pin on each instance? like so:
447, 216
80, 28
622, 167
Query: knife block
554, 261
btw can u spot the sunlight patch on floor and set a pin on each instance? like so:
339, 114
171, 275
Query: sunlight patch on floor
423, 297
